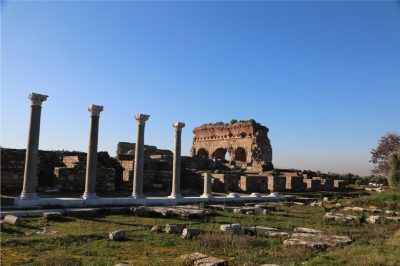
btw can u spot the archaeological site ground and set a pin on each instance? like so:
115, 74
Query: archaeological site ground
226, 204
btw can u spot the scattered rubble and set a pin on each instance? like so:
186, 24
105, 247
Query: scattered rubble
314, 239
157, 229
199, 259
233, 228
316, 204
191, 212
374, 219
174, 228
341, 218
392, 219
45, 232
190, 233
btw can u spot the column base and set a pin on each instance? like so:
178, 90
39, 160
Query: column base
28, 196
89, 196
255, 195
207, 196
137, 196
175, 196
233, 195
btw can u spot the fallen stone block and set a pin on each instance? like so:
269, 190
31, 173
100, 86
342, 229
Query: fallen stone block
340, 218
232, 228
392, 219
157, 229
389, 212
358, 209
316, 241
174, 228
118, 235
374, 219
316, 204
374, 210
307, 230
81, 212
12, 220
210, 261
52, 215
188, 233
189, 259
122, 264
144, 211
217, 207
258, 210
163, 211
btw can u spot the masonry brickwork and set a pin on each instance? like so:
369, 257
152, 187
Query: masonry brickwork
246, 142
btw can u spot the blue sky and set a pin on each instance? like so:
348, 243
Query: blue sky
323, 76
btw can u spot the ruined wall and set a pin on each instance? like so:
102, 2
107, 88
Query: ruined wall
244, 141
63, 170
254, 183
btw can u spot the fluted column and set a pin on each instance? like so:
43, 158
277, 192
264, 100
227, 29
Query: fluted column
30, 173
176, 171
207, 186
91, 164
139, 156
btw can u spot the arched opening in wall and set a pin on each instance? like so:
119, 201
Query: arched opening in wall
202, 153
240, 154
219, 154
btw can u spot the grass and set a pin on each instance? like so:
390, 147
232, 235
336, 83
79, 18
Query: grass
84, 240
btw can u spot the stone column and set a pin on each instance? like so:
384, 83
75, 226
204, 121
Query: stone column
91, 164
207, 186
30, 177
176, 171
139, 157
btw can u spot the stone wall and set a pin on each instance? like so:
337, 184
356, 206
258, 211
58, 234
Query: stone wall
12, 169
71, 177
254, 183
245, 141
64, 170
226, 182
295, 183
276, 183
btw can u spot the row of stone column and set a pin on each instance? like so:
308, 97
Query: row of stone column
30, 174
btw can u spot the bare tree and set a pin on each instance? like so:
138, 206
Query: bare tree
380, 156
394, 172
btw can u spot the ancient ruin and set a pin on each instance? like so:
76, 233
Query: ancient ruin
138, 167
246, 143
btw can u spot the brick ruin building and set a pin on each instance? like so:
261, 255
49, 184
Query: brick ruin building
246, 143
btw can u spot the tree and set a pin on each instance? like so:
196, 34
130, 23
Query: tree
380, 156
394, 172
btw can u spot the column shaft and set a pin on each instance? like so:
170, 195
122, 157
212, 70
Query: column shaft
176, 171
91, 163
32, 150
139, 157
207, 186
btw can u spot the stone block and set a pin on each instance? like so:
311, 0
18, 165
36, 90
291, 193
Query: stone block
52, 215
12, 220
118, 235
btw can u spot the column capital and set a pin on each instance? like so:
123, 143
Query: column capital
141, 118
178, 125
37, 99
95, 109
